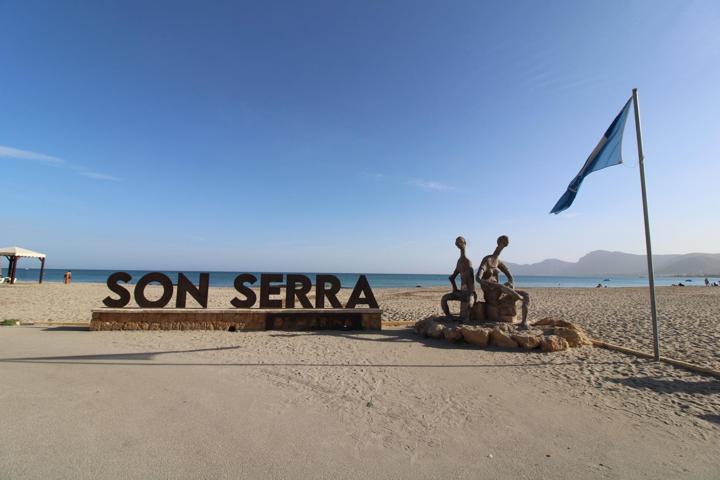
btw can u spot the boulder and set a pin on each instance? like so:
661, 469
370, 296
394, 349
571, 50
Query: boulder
575, 337
505, 327
551, 335
428, 327
553, 322
528, 340
553, 343
501, 338
452, 334
476, 335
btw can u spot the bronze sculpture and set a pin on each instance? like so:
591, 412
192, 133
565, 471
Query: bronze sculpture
466, 293
500, 298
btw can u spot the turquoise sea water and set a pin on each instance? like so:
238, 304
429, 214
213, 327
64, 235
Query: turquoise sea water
377, 280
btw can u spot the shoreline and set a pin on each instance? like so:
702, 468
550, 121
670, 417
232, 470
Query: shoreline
379, 280
408, 287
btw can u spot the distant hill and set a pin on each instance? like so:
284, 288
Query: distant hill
604, 263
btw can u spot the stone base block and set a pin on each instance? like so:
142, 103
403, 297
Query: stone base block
477, 314
252, 319
503, 312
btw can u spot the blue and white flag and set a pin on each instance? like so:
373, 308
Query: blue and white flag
607, 153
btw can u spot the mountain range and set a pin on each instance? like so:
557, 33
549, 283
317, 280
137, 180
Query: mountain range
605, 263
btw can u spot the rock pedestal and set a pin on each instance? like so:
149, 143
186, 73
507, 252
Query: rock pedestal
548, 334
503, 312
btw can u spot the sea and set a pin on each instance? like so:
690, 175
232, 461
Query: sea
377, 280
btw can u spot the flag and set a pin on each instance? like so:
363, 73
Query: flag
607, 153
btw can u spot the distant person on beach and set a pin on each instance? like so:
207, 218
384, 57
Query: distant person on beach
599, 285
67, 277
707, 282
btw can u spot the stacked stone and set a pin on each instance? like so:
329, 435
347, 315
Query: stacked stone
548, 334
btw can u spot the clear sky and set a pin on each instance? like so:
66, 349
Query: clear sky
351, 136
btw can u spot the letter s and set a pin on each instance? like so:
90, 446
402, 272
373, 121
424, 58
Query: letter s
240, 286
112, 283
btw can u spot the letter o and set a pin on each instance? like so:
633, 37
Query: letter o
163, 280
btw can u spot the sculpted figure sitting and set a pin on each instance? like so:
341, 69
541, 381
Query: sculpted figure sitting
466, 293
500, 298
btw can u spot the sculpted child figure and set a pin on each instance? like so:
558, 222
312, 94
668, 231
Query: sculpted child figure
494, 292
466, 293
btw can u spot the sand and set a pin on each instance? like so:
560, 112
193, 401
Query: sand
80, 404
689, 317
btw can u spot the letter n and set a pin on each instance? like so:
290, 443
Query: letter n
185, 286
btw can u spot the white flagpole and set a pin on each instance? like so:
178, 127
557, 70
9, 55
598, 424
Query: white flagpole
648, 247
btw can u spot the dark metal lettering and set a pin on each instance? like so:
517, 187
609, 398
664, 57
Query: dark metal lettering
362, 286
266, 289
112, 283
293, 290
160, 278
249, 293
321, 292
185, 286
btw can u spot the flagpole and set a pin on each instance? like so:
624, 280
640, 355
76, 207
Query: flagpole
648, 247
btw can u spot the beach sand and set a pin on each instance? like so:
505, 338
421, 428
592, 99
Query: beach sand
200, 404
689, 317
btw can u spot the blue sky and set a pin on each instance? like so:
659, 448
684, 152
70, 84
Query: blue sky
351, 136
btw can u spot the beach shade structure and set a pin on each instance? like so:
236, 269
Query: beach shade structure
13, 254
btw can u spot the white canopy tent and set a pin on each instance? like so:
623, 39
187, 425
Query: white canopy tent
15, 253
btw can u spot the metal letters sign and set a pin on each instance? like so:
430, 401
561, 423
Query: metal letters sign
296, 286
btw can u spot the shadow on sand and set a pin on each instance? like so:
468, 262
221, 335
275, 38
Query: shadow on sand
710, 417
109, 356
663, 386
391, 335
388, 335
67, 328
406, 335
660, 385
